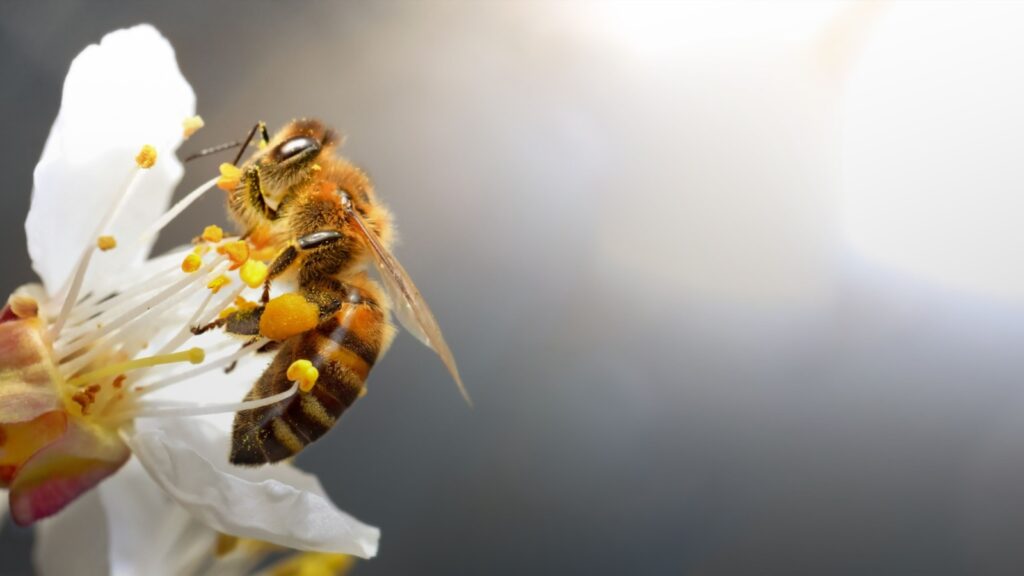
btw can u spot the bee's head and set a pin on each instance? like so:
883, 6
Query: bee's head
292, 156
300, 143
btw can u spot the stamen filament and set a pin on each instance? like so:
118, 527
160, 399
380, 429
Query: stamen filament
160, 301
94, 302
71, 296
164, 410
192, 355
206, 367
85, 319
199, 319
176, 209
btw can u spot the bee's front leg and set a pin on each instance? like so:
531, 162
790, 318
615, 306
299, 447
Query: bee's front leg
281, 263
289, 255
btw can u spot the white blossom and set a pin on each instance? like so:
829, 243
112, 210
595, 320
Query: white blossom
107, 333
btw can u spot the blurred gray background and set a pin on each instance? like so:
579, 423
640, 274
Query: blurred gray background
655, 236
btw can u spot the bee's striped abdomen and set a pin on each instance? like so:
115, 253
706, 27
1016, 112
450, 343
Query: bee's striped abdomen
343, 349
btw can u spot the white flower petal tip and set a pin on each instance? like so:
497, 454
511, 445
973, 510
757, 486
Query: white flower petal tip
277, 504
119, 95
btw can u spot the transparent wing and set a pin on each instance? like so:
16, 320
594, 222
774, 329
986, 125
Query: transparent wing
410, 308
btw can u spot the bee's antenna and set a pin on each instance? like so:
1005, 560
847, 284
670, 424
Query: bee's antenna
264, 137
213, 150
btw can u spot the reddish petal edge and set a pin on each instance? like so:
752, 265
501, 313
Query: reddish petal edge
62, 471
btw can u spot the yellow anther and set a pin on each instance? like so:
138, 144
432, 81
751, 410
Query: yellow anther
303, 372
213, 234
253, 273
191, 263
105, 243
147, 157
217, 283
230, 176
316, 168
192, 125
196, 355
201, 249
288, 315
237, 252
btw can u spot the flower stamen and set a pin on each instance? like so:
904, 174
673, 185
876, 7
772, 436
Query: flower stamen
178, 208
206, 367
159, 302
230, 176
145, 160
105, 243
173, 410
192, 355
191, 125
303, 373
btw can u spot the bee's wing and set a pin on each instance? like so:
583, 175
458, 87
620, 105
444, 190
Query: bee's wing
409, 306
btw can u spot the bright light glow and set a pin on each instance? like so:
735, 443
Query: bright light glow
932, 155
666, 30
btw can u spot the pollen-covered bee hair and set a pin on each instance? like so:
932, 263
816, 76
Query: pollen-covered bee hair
318, 214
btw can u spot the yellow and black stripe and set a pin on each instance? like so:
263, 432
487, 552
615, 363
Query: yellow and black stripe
343, 349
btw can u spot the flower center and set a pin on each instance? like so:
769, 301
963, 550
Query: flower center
95, 341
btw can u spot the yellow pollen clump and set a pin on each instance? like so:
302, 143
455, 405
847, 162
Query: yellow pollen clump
230, 176
288, 315
191, 263
253, 273
217, 283
303, 372
316, 168
147, 157
213, 234
105, 243
192, 125
237, 252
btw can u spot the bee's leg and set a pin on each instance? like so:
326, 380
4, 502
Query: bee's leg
197, 330
287, 257
328, 294
231, 367
280, 264
268, 347
254, 189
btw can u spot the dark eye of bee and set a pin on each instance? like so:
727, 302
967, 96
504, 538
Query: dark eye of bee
295, 146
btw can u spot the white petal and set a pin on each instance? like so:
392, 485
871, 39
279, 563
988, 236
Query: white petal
123, 93
277, 504
149, 532
74, 541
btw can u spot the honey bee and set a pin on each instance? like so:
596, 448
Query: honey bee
320, 215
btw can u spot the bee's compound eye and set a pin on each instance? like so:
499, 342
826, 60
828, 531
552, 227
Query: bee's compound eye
296, 146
